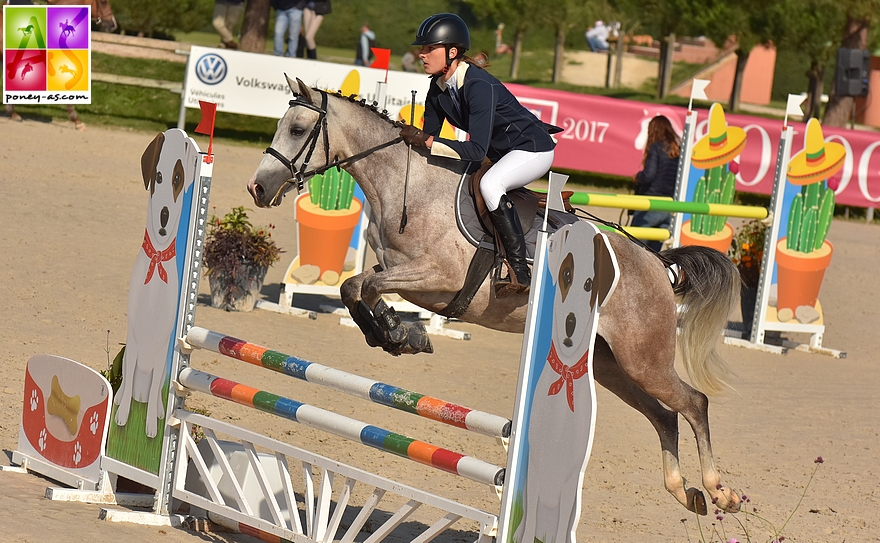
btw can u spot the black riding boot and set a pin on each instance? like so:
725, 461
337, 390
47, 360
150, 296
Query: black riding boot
509, 229
312, 53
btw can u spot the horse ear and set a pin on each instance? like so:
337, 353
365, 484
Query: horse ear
150, 159
291, 84
304, 90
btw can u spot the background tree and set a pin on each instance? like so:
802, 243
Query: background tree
517, 16
562, 16
861, 15
255, 26
812, 27
663, 19
142, 16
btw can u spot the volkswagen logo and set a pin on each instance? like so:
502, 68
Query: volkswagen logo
211, 69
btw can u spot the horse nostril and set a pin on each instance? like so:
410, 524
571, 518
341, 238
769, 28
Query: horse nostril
163, 216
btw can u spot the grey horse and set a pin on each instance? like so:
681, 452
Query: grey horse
426, 265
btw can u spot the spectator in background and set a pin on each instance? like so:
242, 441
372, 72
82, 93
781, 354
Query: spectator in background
597, 37
366, 42
501, 48
313, 15
410, 61
227, 13
659, 170
288, 20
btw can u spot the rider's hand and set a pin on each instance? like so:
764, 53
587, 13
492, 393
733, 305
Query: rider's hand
413, 136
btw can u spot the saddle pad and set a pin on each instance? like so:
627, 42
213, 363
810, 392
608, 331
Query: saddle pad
468, 220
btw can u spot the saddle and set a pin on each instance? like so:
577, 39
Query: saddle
474, 223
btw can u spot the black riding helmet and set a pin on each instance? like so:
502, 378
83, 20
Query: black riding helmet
444, 29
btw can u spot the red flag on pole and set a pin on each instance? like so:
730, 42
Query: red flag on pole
383, 56
206, 126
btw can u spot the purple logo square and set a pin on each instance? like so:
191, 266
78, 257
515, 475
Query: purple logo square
68, 27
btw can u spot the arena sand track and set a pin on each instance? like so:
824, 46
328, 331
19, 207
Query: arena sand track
73, 221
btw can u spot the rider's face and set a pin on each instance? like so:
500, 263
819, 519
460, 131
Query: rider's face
434, 58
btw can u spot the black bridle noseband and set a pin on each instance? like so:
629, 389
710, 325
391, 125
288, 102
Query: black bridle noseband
300, 176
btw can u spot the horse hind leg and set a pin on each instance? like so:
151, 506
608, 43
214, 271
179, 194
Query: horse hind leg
665, 423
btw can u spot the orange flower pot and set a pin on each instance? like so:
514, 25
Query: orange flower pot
720, 241
324, 236
800, 275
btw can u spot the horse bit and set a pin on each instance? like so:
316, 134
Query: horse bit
300, 176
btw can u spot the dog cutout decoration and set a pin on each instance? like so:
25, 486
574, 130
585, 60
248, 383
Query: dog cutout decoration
584, 271
168, 166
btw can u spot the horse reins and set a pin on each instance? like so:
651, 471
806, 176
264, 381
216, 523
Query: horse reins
300, 176
671, 266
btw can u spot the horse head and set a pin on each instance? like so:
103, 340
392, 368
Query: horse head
295, 142
304, 143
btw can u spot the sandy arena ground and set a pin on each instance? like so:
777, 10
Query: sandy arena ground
75, 206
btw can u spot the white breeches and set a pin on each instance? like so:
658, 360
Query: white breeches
515, 169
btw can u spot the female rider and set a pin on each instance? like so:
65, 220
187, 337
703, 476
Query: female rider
498, 126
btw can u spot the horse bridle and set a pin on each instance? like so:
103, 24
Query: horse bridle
300, 176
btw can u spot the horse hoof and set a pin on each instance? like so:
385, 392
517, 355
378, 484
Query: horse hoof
418, 339
696, 502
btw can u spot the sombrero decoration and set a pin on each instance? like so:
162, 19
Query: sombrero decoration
721, 145
818, 160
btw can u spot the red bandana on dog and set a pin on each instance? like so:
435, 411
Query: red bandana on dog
157, 258
567, 374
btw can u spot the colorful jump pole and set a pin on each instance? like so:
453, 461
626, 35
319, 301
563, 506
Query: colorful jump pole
367, 389
315, 417
642, 203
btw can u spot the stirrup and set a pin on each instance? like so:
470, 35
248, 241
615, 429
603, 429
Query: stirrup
509, 285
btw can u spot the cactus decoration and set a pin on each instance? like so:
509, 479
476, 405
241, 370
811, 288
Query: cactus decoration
812, 209
333, 190
810, 218
713, 153
716, 187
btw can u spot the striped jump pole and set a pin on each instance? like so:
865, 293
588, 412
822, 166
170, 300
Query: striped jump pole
640, 232
348, 383
642, 203
315, 417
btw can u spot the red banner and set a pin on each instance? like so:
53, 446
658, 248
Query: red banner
607, 135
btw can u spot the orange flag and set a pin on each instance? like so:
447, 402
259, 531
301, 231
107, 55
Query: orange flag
206, 125
382, 58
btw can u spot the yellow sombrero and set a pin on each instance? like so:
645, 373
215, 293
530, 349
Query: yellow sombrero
721, 145
818, 160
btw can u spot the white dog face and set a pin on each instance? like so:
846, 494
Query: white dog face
165, 177
583, 274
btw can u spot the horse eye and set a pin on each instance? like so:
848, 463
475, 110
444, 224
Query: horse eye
297, 131
158, 178
588, 284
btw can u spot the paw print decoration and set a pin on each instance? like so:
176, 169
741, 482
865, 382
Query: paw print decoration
77, 453
42, 441
93, 423
35, 400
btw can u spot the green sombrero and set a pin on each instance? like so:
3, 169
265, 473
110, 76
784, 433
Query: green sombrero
818, 160
721, 145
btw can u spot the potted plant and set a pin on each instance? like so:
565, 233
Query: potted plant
747, 252
803, 254
327, 216
237, 257
714, 153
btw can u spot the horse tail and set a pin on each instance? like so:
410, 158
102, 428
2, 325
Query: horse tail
708, 287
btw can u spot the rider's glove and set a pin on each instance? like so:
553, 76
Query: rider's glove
413, 136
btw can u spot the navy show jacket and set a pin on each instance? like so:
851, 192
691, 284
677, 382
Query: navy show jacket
493, 118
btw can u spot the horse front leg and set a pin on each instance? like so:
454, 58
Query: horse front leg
665, 422
381, 324
350, 292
